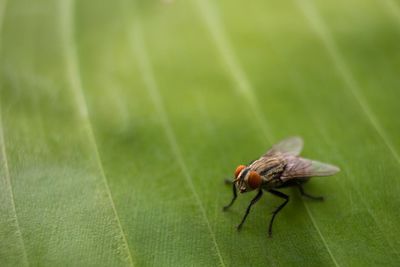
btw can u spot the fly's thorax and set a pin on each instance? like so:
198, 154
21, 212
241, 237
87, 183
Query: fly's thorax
268, 164
270, 169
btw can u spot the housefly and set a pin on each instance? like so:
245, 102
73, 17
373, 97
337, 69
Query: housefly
280, 167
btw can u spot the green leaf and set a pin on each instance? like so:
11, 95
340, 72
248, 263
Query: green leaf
120, 120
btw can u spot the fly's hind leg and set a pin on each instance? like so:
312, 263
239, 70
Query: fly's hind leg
320, 198
281, 195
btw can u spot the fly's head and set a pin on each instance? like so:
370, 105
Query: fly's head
246, 180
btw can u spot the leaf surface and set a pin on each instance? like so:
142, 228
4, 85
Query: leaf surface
119, 122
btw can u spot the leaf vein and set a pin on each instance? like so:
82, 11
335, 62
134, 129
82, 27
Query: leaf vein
66, 16
7, 181
340, 157
319, 233
316, 22
7, 178
153, 90
226, 52
238, 75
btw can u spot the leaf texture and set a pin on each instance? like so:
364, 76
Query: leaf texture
120, 120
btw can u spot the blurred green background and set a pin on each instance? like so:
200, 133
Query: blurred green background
120, 120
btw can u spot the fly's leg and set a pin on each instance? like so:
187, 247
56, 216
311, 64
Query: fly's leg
281, 195
307, 195
233, 198
253, 201
228, 181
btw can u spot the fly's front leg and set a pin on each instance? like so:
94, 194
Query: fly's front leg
228, 181
281, 195
233, 198
307, 195
253, 201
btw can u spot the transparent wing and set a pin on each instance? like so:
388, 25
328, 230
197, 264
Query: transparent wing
297, 167
290, 146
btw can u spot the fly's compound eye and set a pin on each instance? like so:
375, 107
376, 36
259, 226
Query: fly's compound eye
238, 170
254, 180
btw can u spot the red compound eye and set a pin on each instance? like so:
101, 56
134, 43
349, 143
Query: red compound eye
238, 170
254, 180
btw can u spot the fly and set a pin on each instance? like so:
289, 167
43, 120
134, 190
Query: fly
280, 167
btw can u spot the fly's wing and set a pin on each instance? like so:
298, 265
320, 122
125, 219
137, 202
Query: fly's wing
289, 146
297, 167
